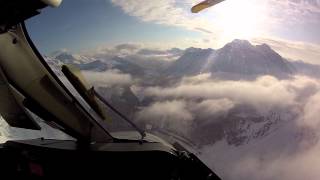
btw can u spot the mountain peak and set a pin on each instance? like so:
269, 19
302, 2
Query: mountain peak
192, 49
237, 44
197, 50
240, 42
241, 57
68, 57
59, 52
264, 47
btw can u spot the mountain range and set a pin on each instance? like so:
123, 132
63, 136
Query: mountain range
238, 59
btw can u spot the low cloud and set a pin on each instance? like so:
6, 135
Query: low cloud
108, 78
264, 93
212, 107
303, 165
179, 115
172, 115
205, 77
290, 152
310, 117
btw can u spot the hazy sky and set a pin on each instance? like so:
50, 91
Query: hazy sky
289, 26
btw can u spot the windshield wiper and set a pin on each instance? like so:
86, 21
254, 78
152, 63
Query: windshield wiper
102, 99
89, 94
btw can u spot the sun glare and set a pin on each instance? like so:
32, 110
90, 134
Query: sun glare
239, 19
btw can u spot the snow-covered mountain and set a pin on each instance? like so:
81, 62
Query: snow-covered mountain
191, 62
67, 57
88, 63
241, 57
238, 58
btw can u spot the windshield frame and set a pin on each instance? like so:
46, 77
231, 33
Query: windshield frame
56, 78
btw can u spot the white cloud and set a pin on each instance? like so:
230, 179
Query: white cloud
290, 152
108, 78
295, 11
264, 93
110, 51
172, 13
303, 165
172, 115
310, 117
161, 12
212, 107
138, 52
204, 77
178, 115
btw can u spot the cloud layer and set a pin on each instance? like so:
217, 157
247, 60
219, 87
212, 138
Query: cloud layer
264, 93
112, 77
171, 115
289, 152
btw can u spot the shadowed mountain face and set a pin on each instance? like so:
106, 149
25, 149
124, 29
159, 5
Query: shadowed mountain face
238, 58
191, 62
241, 57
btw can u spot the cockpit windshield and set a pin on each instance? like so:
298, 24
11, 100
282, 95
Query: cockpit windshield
236, 83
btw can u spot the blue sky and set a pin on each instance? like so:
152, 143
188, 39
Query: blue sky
288, 26
88, 24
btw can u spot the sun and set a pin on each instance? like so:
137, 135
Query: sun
238, 19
